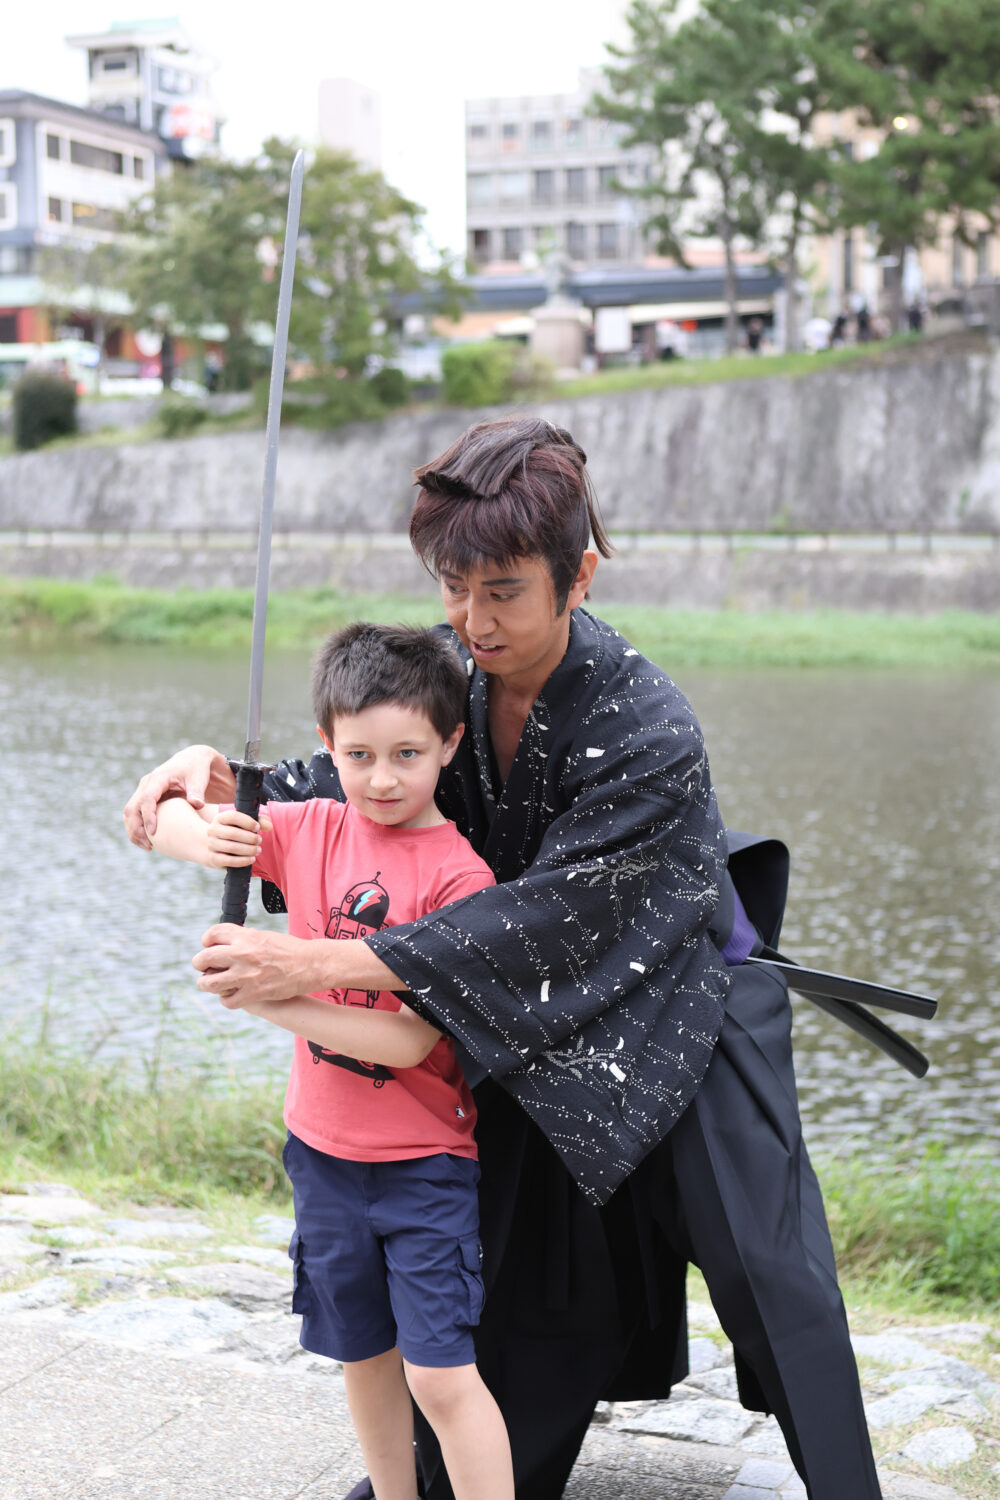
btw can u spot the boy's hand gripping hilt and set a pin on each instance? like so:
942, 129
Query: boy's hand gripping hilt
236, 889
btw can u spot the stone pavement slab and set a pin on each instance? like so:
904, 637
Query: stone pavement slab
83, 1418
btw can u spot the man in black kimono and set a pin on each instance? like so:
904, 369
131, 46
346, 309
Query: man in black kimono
633, 1077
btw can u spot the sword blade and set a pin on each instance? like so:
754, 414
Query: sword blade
279, 354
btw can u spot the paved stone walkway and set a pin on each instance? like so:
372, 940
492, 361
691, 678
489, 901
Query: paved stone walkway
141, 1355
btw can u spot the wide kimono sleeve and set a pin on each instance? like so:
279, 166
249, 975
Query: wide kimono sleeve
588, 985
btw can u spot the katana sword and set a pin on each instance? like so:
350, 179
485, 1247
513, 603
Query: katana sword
840, 997
249, 773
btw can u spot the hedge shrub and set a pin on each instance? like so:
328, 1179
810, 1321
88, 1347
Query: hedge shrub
44, 408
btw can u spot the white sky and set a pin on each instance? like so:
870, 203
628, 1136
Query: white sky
423, 57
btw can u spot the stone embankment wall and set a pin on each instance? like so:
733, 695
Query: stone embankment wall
911, 445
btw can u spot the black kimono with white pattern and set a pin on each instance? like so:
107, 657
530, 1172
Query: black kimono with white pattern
585, 983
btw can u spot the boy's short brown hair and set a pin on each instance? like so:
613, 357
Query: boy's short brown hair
364, 665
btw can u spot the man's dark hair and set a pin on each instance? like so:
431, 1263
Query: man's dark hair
363, 665
518, 487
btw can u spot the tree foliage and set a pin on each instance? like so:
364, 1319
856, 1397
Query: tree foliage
731, 97
923, 76
684, 88
208, 241
82, 277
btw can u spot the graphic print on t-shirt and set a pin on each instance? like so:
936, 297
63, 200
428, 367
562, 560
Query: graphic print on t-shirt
362, 910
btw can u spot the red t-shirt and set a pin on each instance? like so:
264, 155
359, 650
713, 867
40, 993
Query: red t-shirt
344, 876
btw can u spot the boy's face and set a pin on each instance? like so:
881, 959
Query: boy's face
389, 758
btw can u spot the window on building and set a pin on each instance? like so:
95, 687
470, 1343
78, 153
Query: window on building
543, 187
53, 147
576, 241
957, 262
607, 241
573, 133
8, 205
139, 168
847, 268
513, 244
513, 187
984, 255
479, 189
510, 135
116, 62
93, 216
480, 245
98, 158
17, 260
607, 178
541, 135
479, 132
8, 143
55, 211
8, 328
576, 185
174, 81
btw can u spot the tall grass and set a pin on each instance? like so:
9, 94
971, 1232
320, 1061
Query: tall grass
47, 611
168, 1134
919, 1229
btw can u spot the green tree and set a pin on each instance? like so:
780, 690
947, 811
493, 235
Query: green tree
730, 97
208, 243
923, 74
86, 278
687, 89
194, 260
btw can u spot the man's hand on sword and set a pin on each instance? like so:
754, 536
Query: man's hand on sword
199, 774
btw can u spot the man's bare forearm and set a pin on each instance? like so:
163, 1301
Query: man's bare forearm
396, 1039
244, 965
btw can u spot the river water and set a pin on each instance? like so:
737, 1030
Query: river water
883, 784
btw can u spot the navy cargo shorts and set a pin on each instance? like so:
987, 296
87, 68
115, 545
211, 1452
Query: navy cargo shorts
386, 1253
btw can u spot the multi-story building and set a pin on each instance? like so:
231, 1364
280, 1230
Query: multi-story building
65, 173
151, 74
350, 119
542, 177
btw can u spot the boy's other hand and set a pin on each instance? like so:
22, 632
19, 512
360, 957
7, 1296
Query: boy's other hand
234, 839
198, 774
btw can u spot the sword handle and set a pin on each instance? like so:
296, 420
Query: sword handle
236, 888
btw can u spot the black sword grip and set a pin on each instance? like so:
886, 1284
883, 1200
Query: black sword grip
236, 888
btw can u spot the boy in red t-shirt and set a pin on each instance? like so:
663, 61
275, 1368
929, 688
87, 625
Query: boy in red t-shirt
380, 1149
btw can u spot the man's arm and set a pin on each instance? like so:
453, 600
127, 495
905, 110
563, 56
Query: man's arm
197, 774
244, 965
396, 1039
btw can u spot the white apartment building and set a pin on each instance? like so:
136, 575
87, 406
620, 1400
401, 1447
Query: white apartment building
350, 119
541, 177
65, 173
153, 75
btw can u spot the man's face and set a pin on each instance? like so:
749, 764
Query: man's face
505, 616
389, 758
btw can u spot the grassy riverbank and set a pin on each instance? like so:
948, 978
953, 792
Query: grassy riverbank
918, 1233
57, 613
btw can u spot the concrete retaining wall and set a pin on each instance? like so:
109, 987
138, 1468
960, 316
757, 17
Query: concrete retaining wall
909, 445
709, 576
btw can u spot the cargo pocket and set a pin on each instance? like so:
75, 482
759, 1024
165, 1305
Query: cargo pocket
301, 1291
470, 1265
